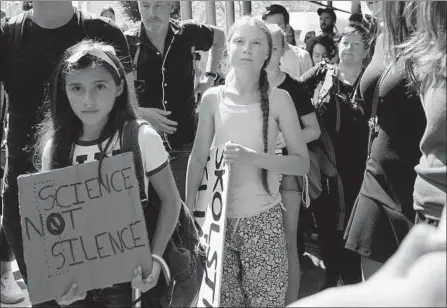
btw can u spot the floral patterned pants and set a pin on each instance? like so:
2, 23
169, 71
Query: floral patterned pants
255, 268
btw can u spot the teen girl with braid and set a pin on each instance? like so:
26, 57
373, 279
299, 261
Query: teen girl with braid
246, 115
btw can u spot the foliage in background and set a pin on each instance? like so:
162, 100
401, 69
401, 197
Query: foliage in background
131, 13
27, 5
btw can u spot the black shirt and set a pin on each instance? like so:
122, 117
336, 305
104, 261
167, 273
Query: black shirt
3, 54
28, 71
384, 212
167, 81
299, 94
390, 173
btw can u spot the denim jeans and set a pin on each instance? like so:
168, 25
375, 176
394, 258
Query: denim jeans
11, 226
179, 164
18, 162
339, 261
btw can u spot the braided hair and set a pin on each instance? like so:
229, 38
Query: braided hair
264, 91
265, 107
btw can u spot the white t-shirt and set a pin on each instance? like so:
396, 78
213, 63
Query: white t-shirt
296, 61
153, 153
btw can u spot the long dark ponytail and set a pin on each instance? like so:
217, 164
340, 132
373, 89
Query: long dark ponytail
264, 87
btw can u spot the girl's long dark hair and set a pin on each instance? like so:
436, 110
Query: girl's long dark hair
263, 86
61, 125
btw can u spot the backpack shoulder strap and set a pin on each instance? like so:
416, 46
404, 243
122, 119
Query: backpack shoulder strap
129, 143
376, 95
373, 121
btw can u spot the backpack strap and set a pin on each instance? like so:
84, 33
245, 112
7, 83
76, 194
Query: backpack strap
373, 121
129, 143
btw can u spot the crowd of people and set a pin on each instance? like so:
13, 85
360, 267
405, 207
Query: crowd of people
350, 131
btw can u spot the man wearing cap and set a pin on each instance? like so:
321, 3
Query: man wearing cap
296, 61
327, 21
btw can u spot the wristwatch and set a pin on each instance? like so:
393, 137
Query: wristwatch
210, 74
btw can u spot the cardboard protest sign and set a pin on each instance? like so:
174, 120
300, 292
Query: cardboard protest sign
79, 229
212, 200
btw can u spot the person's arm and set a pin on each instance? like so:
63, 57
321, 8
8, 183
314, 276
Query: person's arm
130, 79
311, 129
201, 148
204, 38
156, 167
217, 49
306, 61
414, 276
164, 184
312, 77
306, 111
297, 160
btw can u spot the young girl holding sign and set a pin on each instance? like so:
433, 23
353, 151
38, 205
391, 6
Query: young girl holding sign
89, 107
246, 116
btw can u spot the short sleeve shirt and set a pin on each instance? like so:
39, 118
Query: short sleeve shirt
296, 61
166, 81
299, 94
153, 153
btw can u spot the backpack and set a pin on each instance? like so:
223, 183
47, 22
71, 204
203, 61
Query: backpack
323, 173
185, 255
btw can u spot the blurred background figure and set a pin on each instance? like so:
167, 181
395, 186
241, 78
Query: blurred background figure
356, 19
295, 61
321, 48
108, 12
27, 5
328, 19
309, 35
